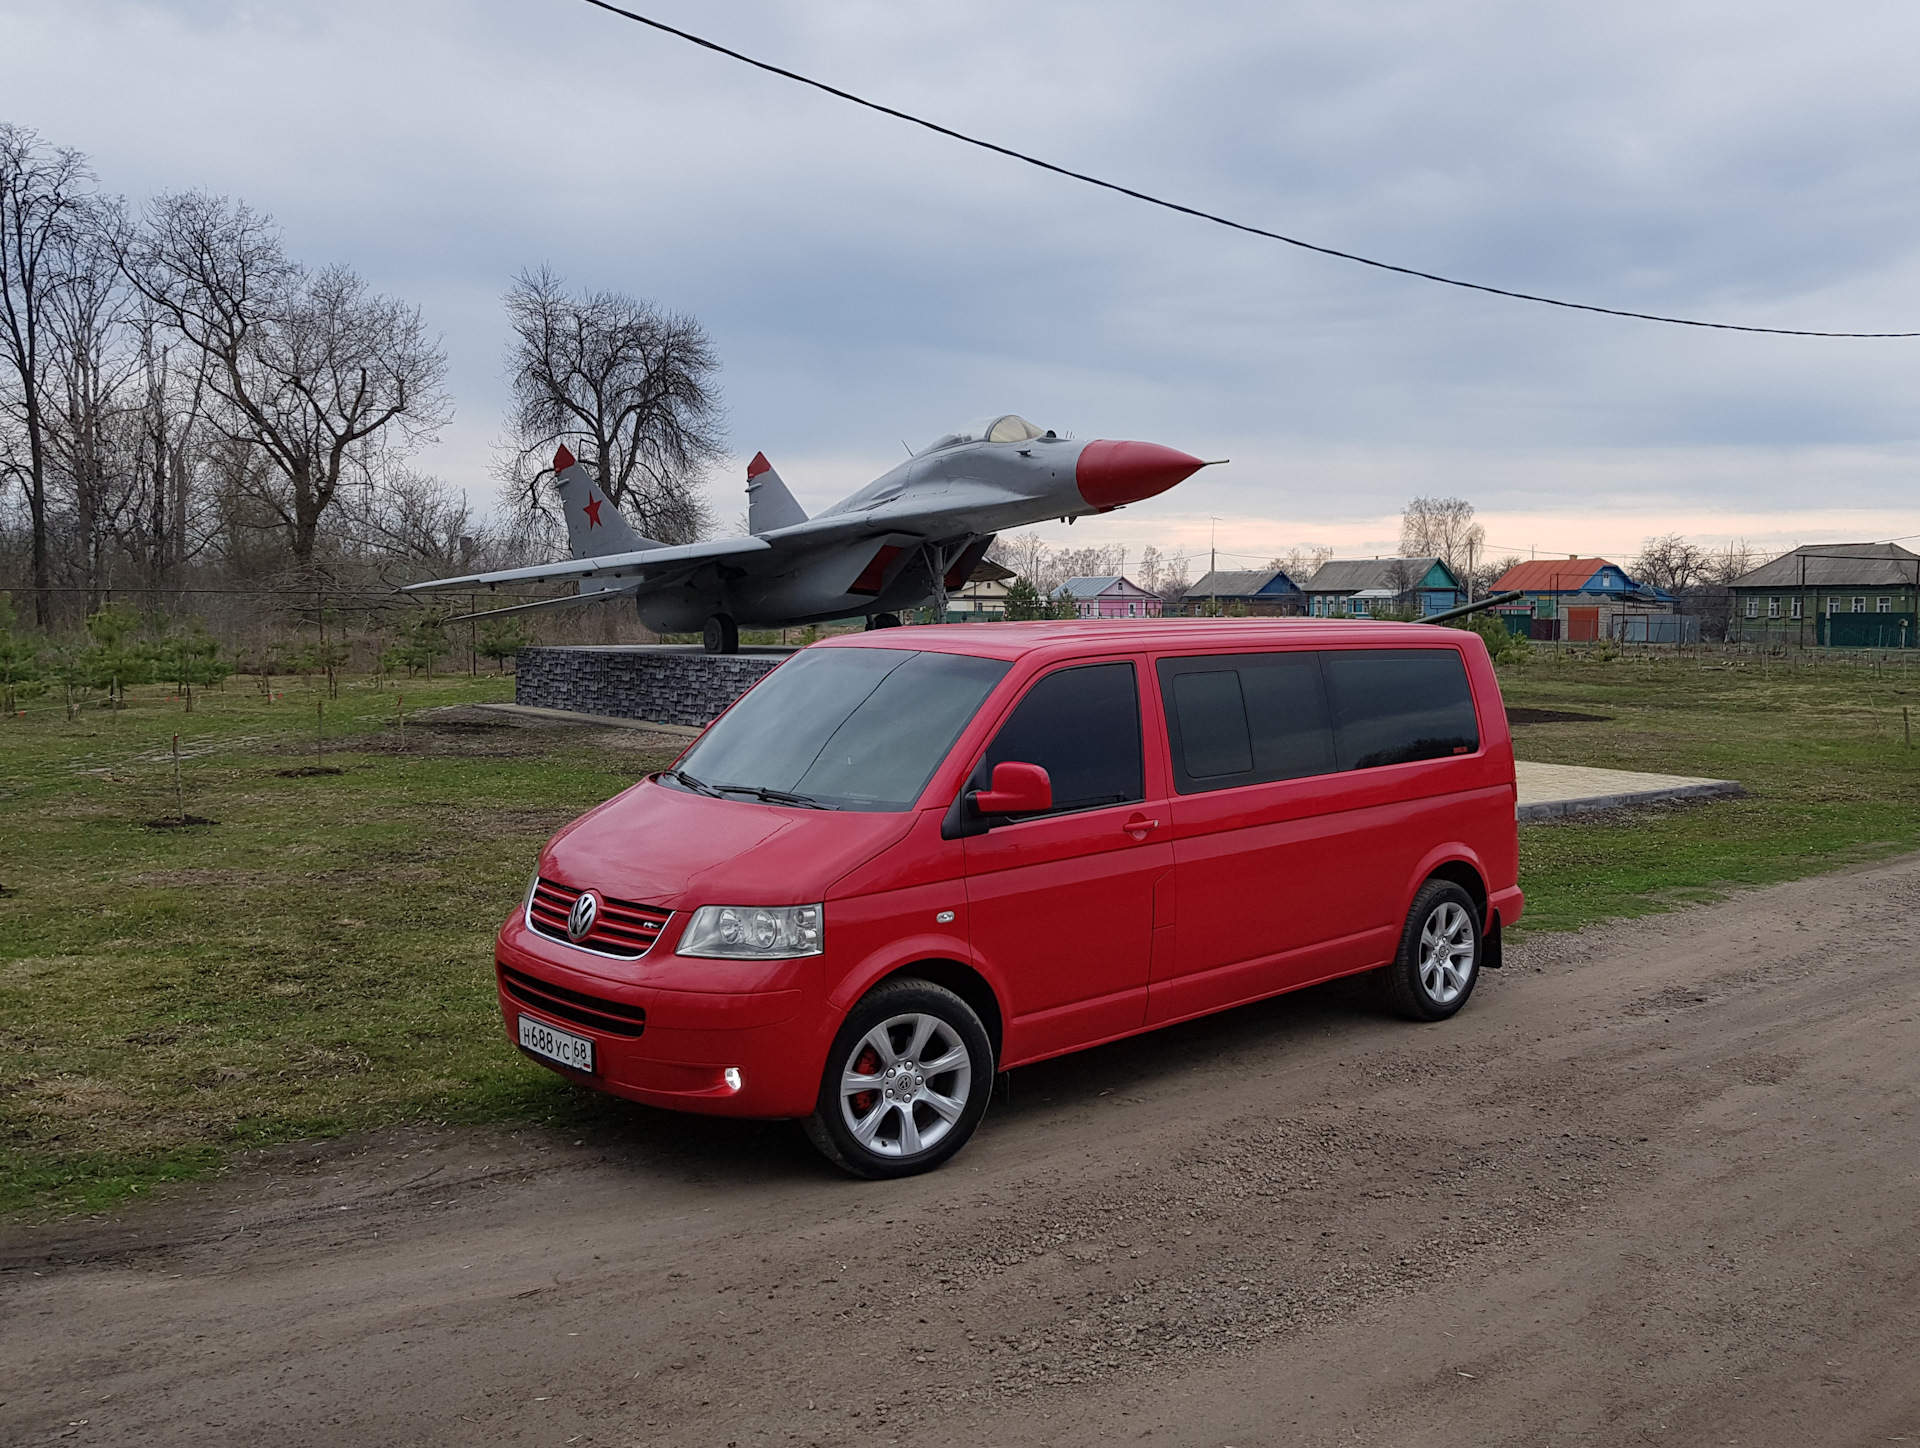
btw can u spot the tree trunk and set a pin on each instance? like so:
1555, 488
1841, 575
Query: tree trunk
37, 509
307, 508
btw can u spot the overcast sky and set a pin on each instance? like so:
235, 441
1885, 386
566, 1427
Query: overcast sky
869, 284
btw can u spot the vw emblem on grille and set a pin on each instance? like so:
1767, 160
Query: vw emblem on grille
580, 920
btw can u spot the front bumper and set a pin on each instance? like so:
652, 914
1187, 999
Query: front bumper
668, 1046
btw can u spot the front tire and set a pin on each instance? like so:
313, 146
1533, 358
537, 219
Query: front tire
905, 1084
1439, 959
721, 635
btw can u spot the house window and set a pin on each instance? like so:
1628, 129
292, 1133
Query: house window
1753, 608
1796, 608
1886, 606
1133, 610
1773, 608
1859, 604
1357, 605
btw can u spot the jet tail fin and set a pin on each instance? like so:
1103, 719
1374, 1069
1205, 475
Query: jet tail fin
594, 526
769, 504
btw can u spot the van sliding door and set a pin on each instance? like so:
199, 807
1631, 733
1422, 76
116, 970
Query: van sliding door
1258, 873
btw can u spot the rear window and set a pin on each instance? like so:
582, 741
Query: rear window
1393, 706
1235, 719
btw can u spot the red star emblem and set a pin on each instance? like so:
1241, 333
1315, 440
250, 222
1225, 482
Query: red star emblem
592, 510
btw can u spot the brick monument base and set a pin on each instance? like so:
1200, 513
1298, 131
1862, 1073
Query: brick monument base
669, 684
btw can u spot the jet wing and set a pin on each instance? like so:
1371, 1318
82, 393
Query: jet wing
613, 565
569, 600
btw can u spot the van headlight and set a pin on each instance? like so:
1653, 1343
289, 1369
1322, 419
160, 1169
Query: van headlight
753, 932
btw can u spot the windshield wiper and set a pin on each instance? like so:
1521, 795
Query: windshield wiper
698, 786
775, 796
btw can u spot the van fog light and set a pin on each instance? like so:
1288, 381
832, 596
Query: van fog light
732, 1077
753, 932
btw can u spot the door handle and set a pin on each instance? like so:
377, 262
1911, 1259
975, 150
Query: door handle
1140, 827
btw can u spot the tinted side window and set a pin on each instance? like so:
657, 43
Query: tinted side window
1083, 727
1391, 706
1245, 719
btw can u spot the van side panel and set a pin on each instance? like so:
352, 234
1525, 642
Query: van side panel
1289, 882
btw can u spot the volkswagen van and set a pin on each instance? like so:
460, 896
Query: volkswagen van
911, 858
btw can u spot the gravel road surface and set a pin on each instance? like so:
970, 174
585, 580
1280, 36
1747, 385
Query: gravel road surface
1660, 1183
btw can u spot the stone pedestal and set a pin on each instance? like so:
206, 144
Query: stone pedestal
665, 683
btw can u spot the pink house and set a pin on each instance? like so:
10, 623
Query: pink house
1109, 597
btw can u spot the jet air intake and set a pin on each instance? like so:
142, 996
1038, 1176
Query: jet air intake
1112, 473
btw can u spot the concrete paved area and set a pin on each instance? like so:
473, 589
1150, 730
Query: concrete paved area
1547, 790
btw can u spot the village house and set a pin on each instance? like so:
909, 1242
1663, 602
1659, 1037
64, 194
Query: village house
1262, 592
983, 598
1840, 595
1362, 587
1582, 600
1108, 597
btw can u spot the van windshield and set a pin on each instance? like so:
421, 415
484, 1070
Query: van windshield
854, 729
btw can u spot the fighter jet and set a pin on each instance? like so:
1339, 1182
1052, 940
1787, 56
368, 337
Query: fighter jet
903, 541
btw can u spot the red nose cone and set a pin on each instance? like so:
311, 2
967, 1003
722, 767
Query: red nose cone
1112, 473
562, 460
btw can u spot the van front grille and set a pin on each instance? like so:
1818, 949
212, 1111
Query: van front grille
620, 927
613, 1018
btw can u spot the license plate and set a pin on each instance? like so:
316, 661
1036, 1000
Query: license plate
555, 1044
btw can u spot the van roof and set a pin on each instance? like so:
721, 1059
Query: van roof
1067, 637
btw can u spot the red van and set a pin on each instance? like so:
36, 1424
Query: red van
908, 859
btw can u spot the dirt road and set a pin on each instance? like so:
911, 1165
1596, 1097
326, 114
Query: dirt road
1660, 1182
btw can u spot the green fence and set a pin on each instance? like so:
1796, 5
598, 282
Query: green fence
1869, 631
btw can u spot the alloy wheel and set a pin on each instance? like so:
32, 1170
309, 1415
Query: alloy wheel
905, 1084
1446, 953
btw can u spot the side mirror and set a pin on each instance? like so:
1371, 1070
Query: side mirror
1017, 789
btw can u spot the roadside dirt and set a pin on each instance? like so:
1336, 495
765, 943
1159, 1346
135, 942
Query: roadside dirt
1660, 1182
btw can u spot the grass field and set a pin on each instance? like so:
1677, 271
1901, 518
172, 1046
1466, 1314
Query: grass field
1821, 751
318, 959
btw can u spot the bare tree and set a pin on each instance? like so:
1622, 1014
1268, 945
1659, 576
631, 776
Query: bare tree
311, 371
415, 518
1493, 570
1162, 574
1301, 563
165, 529
1670, 562
43, 193
1442, 528
628, 387
1723, 565
92, 430
1400, 575
1093, 561
1028, 555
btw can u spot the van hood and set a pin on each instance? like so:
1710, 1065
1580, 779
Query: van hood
655, 845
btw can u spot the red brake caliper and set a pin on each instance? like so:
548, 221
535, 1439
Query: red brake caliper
867, 1063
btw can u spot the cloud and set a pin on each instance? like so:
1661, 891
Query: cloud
867, 282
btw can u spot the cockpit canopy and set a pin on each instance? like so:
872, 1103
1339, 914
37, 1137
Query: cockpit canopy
1006, 428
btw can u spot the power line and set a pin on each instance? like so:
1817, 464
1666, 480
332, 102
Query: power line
1193, 211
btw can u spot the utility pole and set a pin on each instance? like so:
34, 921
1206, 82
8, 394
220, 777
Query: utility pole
1803, 602
1213, 562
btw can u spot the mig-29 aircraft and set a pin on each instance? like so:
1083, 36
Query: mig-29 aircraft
902, 542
